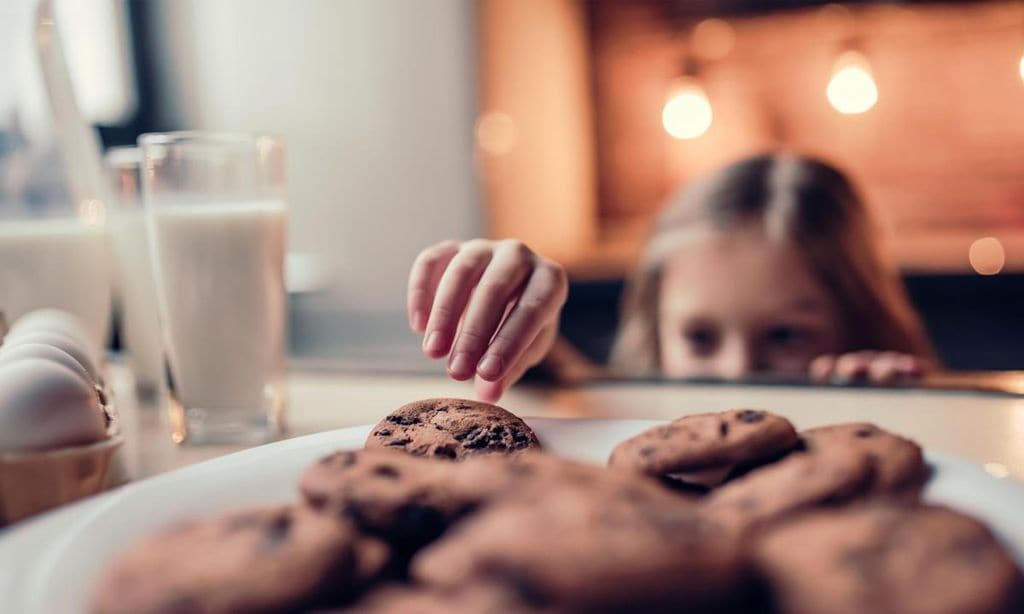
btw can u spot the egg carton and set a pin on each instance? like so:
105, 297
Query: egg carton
33, 482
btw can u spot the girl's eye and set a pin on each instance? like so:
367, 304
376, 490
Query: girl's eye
786, 335
702, 341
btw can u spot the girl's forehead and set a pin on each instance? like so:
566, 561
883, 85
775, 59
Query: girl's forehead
750, 274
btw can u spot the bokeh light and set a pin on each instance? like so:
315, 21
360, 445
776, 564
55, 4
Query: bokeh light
852, 89
713, 39
687, 113
997, 470
1021, 67
987, 256
92, 212
496, 133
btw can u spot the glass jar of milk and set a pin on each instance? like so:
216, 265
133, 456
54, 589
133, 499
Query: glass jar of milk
54, 250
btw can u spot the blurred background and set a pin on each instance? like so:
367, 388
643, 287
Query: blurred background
567, 123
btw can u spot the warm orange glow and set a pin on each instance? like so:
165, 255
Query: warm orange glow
987, 256
687, 113
713, 39
852, 89
1021, 67
496, 133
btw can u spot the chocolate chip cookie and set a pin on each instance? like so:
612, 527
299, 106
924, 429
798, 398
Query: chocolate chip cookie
410, 501
273, 559
477, 599
801, 480
899, 466
885, 558
407, 500
706, 448
452, 429
590, 549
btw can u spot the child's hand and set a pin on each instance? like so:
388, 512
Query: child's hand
868, 366
490, 306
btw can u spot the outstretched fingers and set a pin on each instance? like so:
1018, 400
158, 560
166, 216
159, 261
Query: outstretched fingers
542, 297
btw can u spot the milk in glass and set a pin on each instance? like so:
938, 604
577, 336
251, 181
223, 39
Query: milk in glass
140, 322
220, 274
63, 263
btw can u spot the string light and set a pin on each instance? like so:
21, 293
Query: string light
852, 89
687, 113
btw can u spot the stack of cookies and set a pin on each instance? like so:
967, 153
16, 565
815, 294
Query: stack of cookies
454, 507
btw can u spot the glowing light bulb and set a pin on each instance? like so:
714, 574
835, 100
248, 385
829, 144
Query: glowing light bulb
687, 112
852, 89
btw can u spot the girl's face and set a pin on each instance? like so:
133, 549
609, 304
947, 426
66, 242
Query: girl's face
736, 304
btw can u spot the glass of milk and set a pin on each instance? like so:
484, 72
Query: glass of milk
216, 214
135, 288
54, 246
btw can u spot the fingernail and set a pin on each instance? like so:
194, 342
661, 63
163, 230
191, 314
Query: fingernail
434, 344
460, 365
489, 367
419, 321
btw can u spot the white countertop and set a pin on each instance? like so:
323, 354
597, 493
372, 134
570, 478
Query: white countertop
983, 428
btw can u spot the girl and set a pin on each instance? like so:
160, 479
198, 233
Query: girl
771, 265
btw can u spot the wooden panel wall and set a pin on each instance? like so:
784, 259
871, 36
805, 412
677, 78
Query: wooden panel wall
941, 156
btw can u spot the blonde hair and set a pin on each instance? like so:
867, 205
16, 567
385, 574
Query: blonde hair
805, 201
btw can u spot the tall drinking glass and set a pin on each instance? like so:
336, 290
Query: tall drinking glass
216, 212
136, 292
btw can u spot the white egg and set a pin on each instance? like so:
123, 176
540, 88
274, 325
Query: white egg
21, 351
75, 348
45, 405
52, 320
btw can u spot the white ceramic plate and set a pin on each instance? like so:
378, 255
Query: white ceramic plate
49, 564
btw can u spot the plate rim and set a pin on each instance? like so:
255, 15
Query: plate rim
56, 530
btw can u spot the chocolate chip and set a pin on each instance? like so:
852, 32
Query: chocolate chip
316, 500
723, 428
403, 420
750, 416
383, 432
477, 439
445, 452
277, 531
386, 471
647, 451
418, 523
396, 443
866, 432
